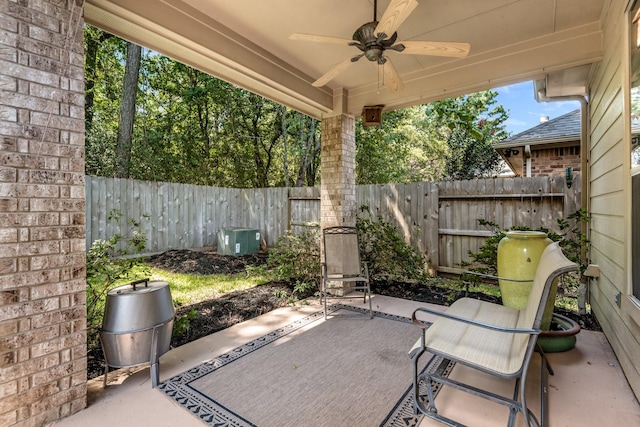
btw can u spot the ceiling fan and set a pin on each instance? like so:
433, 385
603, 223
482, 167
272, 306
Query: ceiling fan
375, 37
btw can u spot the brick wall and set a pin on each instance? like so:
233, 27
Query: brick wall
554, 161
42, 212
338, 185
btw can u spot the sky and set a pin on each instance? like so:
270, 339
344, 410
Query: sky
524, 111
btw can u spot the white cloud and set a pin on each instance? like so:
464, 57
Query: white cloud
516, 122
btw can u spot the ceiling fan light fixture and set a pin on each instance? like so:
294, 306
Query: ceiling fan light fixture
374, 54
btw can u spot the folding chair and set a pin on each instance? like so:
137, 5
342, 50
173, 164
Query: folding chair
342, 267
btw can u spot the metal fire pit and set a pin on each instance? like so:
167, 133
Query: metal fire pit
137, 325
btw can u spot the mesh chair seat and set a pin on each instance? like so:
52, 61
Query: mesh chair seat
342, 266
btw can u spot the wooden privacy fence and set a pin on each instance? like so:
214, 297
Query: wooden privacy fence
439, 219
181, 216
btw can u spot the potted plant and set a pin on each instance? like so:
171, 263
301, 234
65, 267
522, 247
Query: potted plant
560, 331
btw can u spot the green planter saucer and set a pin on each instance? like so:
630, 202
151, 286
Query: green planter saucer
561, 336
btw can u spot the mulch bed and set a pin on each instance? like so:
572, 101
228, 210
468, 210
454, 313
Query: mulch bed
235, 307
205, 262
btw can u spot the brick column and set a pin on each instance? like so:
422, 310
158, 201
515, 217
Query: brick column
42, 212
338, 181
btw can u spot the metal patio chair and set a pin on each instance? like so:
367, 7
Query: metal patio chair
343, 274
491, 338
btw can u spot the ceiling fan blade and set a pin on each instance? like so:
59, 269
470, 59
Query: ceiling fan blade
394, 16
452, 50
329, 75
321, 39
390, 76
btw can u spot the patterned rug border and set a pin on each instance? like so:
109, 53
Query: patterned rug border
212, 413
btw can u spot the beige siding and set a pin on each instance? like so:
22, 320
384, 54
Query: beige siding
609, 180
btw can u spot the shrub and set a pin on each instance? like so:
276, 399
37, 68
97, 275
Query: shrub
486, 259
297, 257
389, 257
571, 238
183, 321
387, 254
109, 262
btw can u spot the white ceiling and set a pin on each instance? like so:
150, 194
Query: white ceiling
247, 43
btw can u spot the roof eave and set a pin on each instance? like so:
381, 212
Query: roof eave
545, 141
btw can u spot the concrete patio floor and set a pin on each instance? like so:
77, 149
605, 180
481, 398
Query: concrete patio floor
588, 388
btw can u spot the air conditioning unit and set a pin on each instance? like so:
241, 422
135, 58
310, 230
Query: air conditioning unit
238, 241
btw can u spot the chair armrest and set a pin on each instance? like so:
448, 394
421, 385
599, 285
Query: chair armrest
423, 325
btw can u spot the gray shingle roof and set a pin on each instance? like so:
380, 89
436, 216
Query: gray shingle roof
565, 127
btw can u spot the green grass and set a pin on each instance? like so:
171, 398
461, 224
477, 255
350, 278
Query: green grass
455, 285
492, 290
189, 289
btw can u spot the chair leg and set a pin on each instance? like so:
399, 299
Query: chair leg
544, 391
354, 289
417, 406
323, 295
544, 359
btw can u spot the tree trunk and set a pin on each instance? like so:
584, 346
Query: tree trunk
310, 152
127, 110
90, 73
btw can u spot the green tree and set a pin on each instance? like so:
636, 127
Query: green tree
304, 150
193, 128
104, 71
182, 120
444, 139
403, 148
188, 126
94, 38
127, 110
470, 124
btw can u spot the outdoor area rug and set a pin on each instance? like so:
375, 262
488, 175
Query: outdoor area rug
347, 371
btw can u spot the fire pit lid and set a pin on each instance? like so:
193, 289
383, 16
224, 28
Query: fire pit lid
139, 305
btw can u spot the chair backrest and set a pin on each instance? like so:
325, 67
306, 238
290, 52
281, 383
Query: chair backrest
553, 263
341, 251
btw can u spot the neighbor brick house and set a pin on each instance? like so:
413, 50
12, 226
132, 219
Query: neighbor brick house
546, 149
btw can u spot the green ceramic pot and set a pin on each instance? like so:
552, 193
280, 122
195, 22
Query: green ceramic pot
519, 253
561, 336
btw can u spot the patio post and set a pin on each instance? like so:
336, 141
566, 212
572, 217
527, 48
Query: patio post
43, 342
338, 182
